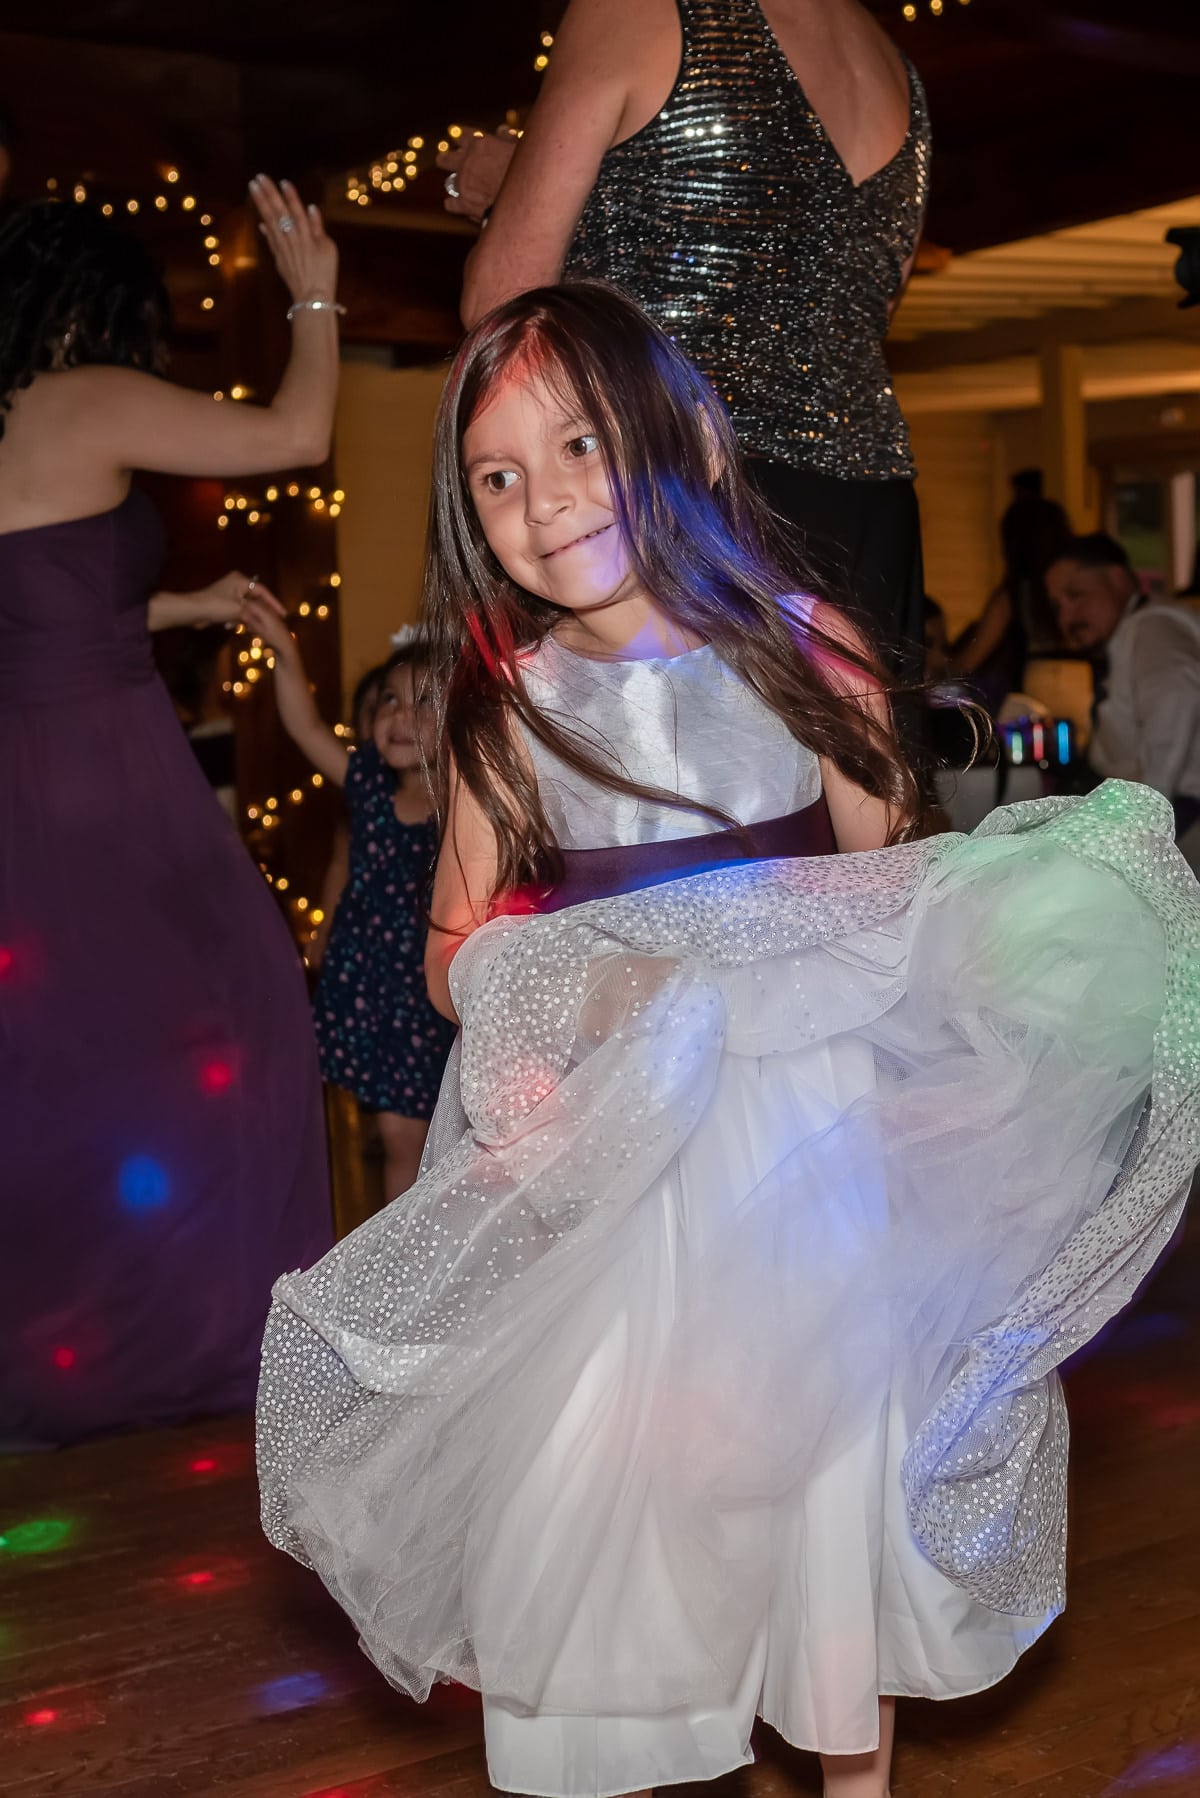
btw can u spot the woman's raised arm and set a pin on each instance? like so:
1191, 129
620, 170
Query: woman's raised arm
134, 420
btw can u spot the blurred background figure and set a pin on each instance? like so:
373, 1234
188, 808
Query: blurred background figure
337, 872
163, 1139
756, 178
1018, 621
1146, 661
379, 1036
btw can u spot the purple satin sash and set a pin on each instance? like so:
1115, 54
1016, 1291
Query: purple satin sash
626, 868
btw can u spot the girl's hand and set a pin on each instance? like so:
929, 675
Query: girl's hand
306, 258
262, 615
225, 601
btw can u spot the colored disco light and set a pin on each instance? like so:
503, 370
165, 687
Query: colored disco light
63, 1357
143, 1183
216, 1076
205, 1464
8, 960
291, 1693
203, 1576
39, 1719
39, 1537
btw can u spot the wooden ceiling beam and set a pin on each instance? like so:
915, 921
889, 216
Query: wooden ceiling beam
1104, 324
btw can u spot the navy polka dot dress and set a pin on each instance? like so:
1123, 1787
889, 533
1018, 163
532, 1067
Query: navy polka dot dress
378, 1035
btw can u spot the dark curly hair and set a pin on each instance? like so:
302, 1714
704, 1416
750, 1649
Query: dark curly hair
76, 290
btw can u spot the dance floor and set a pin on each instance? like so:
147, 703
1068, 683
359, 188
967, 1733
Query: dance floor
153, 1646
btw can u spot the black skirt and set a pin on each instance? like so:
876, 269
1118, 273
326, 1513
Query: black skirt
862, 541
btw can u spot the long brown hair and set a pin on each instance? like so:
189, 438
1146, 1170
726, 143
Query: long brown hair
716, 561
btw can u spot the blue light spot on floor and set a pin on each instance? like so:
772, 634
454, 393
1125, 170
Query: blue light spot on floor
143, 1183
291, 1692
1151, 1769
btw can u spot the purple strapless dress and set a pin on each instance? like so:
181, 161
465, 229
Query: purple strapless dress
162, 1154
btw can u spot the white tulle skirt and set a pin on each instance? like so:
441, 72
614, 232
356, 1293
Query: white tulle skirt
707, 1371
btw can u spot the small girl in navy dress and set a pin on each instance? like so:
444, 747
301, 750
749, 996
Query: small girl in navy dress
378, 1035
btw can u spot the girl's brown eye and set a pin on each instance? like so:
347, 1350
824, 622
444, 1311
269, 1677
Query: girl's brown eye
499, 480
583, 446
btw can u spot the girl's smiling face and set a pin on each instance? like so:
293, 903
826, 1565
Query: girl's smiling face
402, 727
538, 483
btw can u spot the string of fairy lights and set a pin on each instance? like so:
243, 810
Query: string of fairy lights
912, 12
390, 175
171, 196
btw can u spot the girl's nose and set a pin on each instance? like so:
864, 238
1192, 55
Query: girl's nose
544, 502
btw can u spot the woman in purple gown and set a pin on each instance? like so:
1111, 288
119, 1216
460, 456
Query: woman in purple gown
161, 1139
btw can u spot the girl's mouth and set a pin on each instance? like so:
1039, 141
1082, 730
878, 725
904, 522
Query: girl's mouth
575, 541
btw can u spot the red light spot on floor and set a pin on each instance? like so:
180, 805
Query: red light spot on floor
37, 1719
200, 1578
205, 1465
63, 1357
216, 1076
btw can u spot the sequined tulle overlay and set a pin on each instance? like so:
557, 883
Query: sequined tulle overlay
720, 1330
732, 219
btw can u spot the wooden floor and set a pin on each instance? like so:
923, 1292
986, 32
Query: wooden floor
153, 1646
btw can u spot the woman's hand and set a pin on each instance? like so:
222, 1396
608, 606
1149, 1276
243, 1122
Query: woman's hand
227, 600
478, 165
306, 258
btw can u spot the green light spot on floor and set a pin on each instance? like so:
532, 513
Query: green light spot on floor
40, 1536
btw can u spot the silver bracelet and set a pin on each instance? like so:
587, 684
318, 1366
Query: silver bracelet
315, 306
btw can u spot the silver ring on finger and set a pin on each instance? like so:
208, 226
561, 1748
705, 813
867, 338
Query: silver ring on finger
452, 184
286, 223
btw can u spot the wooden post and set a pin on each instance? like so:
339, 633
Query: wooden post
1064, 433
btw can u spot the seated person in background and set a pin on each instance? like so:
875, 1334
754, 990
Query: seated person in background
1147, 669
1017, 621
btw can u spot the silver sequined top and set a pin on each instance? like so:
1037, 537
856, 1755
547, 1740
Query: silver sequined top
734, 221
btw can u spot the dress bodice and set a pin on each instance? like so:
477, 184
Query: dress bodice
734, 221
686, 724
73, 604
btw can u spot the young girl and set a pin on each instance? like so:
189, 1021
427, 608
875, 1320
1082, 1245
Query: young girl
377, 1033
708, 1369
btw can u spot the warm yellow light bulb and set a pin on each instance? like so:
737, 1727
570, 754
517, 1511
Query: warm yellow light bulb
80, 193
282, 883
322, 611
293, 489
317, 915
131, 206
171, 175
210, 243
318, 780
541, 62
302, 903
416, 143
160, 202
335, 580
547, 39
106, 209
304, 609
207, 304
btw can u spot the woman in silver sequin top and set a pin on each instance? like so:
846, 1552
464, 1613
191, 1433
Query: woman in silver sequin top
756, 177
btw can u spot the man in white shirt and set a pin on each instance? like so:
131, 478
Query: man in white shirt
1147, 716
